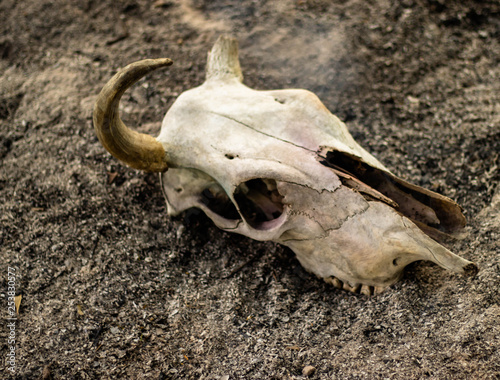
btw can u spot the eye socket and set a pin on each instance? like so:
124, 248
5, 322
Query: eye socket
259, 201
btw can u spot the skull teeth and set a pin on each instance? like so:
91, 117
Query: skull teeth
357, 288
354, 289
367, 290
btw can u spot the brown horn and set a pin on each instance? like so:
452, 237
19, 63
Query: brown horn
137, 150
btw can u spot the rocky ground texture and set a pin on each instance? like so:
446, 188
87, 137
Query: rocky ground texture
113, 288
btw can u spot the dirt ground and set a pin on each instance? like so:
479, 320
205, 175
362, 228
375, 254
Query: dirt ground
113, 288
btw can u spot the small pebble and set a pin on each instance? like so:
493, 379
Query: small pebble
308, 370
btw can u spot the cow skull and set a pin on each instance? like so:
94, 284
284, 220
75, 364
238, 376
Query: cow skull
277, 165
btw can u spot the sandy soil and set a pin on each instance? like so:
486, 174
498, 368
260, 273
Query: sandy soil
113, 288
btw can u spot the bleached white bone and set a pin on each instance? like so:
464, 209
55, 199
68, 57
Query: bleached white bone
277, 165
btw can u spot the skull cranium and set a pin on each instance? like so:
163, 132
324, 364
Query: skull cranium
277, 165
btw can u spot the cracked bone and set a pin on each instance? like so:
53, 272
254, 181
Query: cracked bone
277, 165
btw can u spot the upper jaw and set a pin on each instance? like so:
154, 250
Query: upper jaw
368, 290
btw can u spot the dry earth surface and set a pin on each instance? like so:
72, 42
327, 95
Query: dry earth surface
113, 288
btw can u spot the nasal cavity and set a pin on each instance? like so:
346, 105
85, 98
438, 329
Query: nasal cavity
259, 201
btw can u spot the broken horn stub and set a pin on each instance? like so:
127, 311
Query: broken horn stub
222, 61
138, 150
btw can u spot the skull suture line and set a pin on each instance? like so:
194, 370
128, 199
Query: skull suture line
277, 165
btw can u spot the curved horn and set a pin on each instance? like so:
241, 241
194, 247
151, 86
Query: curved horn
137, 150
